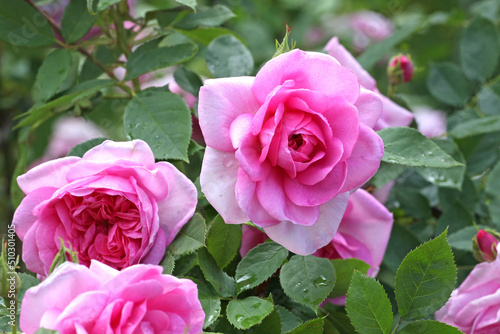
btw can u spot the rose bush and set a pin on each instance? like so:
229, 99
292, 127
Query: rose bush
392, 114
115, 205
100, 299
363, 233
474, 307
286, 148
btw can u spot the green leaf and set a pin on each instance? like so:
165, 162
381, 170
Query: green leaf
308, 279
21, 25
206, 35
168, 263
206, 17
184, 264
425, 279
314, 326
227, 57
210, 303
162, 119
223, 241
150, 57
386, 173
407, 146
76, 21
190, 238
190, 3
413, 202
446, 177
493, 183
375, 52
222, 282
82, 148
454, 218
188, 80
488, 99
429, 327
462, 239
54, 70
270, 324
38, 114
104, 54
448, 84
479, 49
344, 269
46, 331
368, 306
288, 320
27, 281
16, 194
248, 312
96, 6
476, 127
259, 264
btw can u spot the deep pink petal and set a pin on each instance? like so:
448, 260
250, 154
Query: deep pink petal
365, 158
218, 177
220, 102
305, 240
179, 205
136, 150
49, 174
319, 193
23, 218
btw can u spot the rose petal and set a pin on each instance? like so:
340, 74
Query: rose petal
136, 150
392, 115
305, 240
369, 105
23, 218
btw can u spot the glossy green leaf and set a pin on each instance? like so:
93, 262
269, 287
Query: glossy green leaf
407, 146
150, 57
223, 241
54, 70
314, 326
488, 99
190, 3
454, 218
248, 312
222, 282
168, 263
344, 269
288, 320
96, 6
368, 306
308, 279
386, 173
162, 119
401, 242
447, 83
259, 264
429, 327
82, 148
227, 57
27, 281
21, 25
206, 17
76, 21
462, 239
188, 80
104, 54
210, 303
480, 49
190, 238
425, 279
476, 127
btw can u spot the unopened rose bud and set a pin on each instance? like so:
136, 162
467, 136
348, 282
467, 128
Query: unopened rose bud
484, 245
400, 69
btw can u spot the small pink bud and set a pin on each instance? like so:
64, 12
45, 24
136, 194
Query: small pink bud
400, 69
486, 246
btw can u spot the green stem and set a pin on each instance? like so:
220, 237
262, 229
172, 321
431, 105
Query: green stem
394, 330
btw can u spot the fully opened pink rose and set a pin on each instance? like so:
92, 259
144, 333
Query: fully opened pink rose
115, 205
286, 148
363, 233
100, 299
392, 114
474, 307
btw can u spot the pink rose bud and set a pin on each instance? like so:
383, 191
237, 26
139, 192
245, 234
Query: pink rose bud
485, 246
400, 69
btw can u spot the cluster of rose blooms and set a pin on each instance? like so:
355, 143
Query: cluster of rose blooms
287, 150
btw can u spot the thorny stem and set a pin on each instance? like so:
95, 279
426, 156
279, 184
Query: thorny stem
80, 49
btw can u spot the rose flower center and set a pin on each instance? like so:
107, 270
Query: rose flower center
295, 141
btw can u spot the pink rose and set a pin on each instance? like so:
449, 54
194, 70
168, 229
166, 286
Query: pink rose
286, 148
431, 123
485, 246
400, 69
100, 299
474, 307
363, 233
392, 114
115, 205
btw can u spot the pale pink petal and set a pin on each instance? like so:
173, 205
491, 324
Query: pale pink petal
240, 127
218, 181
179, 205
157, 251
305, 240
23, 218
393, 115
365, 159
136, 150
369, 107
220, 102
49, 174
